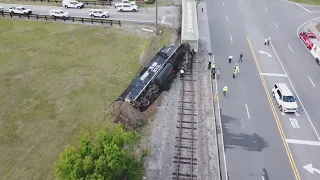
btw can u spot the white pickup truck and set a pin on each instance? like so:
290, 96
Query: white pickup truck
19, 10
132, 3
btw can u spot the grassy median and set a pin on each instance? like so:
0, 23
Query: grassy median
56, 81
313, 2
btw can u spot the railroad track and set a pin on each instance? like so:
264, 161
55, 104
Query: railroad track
185, 159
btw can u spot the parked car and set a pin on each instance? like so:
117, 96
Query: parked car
59, 14
127, 7
133, 3
98, 13
284, 97
19, 10
72, 4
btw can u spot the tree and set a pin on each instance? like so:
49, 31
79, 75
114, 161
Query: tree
108, 158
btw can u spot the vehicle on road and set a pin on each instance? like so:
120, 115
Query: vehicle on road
19, 10
315, 51
308, 39
133, 3
284, 97
98, 13
72, 4
127, 8
59, 14
1, 9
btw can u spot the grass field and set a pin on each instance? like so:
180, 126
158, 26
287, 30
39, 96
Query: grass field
56, 81
314, 2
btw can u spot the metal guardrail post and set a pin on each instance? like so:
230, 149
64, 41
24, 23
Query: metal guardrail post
120, 23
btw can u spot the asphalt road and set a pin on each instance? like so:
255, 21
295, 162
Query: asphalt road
256, 134
167, 15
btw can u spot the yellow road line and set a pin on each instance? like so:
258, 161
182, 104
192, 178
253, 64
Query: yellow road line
286, 146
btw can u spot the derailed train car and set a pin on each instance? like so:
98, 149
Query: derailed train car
155, 77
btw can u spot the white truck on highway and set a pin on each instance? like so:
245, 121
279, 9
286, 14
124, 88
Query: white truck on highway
315, 51
72, 4
132, 3
19, 10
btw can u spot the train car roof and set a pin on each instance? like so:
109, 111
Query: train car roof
141, 82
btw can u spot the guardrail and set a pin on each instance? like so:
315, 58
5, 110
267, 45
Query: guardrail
100, 3
73, 19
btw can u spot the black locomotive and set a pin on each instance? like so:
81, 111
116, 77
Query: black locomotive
155, 77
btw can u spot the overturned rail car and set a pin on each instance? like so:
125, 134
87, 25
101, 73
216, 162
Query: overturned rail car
156, 76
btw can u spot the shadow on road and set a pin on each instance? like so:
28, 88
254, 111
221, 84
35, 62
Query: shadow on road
249, 142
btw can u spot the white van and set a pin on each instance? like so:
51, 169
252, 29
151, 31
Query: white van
72, 4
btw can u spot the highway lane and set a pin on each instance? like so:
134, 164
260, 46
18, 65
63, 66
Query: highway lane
167, 15
292, 62
250, 132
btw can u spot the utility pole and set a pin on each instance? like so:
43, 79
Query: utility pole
156, 17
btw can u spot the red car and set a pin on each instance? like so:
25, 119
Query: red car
308, 39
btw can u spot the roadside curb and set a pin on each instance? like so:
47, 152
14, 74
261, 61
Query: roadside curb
311, 27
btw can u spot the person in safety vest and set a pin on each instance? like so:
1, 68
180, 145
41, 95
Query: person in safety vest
234, 73
237, 68
213, 66
225, 90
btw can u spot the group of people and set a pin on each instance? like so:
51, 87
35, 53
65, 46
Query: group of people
235, 72
215, 72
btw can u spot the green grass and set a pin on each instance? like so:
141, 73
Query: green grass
56, 81
314, 2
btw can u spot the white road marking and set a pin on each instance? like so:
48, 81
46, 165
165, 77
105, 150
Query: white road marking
231, 39
247, 111
273, 74
265, 8
227, 18
223, 3
303, 8
282, 113
294, 123
284, 70
290, 48
222, 142
311, 81
297, 114
297, 141
276, 25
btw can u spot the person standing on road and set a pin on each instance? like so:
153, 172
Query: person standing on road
225, 91
234, 73
266, 41
218, 73
213, 66
230, 58
241, 55
214, 74
237, 68
209, 65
